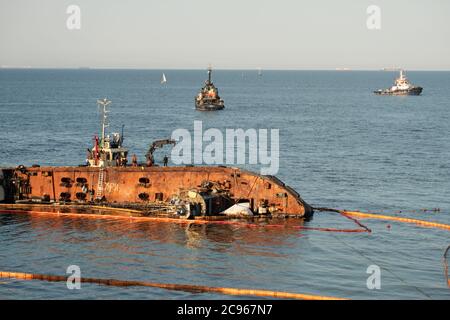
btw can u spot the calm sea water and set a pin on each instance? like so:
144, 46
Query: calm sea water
341, 146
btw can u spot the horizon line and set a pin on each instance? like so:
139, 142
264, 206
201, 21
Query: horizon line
337, 69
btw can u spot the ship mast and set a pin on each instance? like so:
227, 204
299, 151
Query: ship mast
104, 103
209, 74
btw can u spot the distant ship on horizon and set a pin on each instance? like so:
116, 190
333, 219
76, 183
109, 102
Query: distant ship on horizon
343, 69
391, 69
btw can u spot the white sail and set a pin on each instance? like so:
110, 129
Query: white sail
163, 79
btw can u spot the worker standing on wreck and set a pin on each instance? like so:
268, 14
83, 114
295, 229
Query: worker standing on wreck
134, 160
88, 156
166, 160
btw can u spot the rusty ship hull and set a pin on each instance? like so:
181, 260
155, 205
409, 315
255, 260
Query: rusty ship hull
141, 186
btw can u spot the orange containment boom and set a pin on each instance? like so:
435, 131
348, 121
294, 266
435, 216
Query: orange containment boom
399, 219
170, 286
22, 209
358, 214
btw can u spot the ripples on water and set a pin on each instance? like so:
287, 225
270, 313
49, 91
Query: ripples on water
340, 146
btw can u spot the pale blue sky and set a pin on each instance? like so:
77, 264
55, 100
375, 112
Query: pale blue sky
231, 34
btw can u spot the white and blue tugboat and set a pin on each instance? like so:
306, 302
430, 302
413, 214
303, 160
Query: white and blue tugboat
402, 86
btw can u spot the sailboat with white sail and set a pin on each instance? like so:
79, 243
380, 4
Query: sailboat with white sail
163, 79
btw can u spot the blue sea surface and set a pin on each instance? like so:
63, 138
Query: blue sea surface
341, 146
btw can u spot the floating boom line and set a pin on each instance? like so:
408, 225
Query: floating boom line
170, 286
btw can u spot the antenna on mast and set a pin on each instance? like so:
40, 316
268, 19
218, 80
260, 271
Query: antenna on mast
122, 136
104, 103
209, 73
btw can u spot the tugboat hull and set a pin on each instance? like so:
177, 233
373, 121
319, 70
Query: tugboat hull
416, 91
209, 107
218, 188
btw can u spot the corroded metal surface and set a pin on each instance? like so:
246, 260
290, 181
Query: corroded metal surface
141, 185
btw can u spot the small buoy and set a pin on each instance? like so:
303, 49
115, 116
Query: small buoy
388, 226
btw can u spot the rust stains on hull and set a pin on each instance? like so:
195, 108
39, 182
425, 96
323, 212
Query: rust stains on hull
143, 185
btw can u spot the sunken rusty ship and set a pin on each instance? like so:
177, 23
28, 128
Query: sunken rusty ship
186, 192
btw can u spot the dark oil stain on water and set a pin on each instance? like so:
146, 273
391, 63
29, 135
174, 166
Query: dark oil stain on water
340, 146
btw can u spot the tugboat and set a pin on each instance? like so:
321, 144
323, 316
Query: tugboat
401, 87
208, 98
109, 180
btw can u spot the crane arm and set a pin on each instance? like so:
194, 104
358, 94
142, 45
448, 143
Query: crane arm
158, 144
